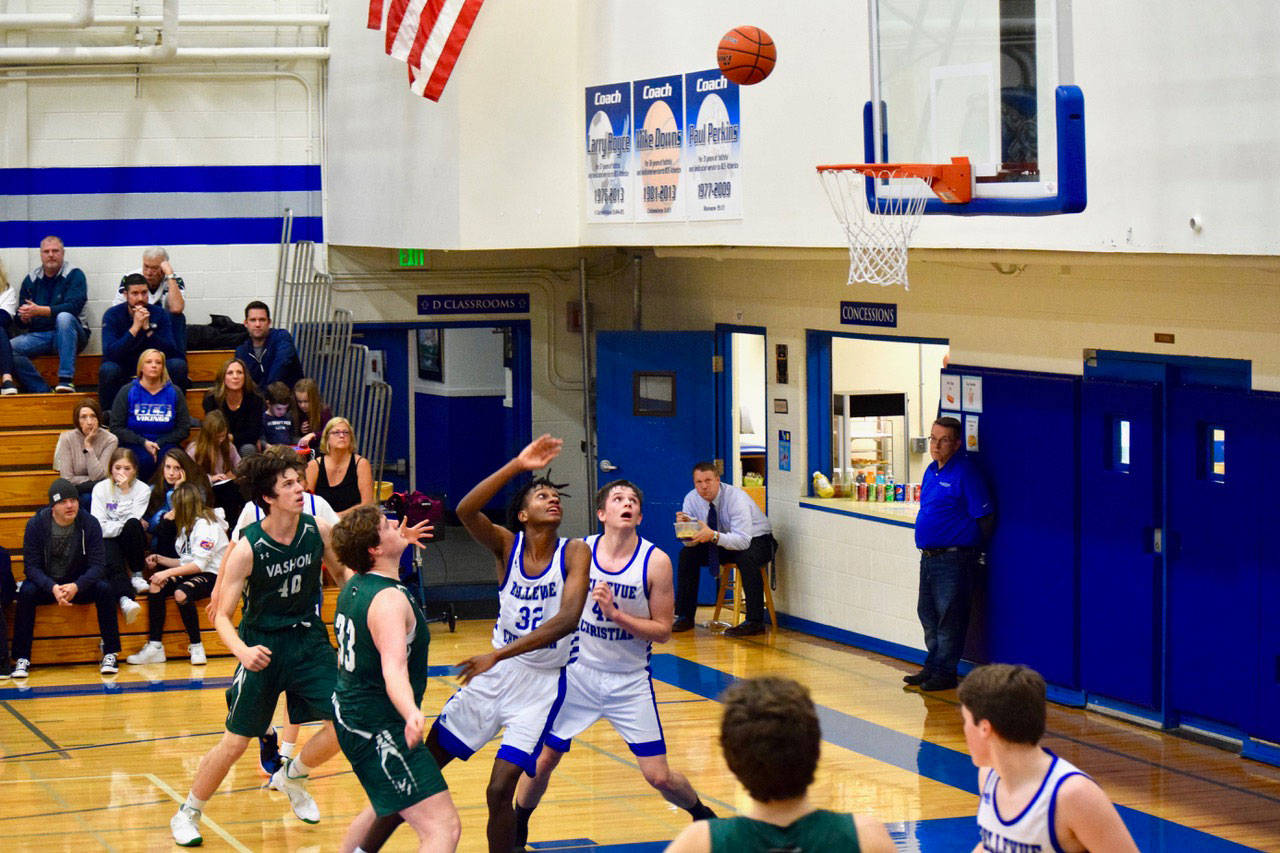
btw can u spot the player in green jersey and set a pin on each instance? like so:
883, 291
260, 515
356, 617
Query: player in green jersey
282, 645
771, 739
382, 674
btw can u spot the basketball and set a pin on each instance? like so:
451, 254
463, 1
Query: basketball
746, 55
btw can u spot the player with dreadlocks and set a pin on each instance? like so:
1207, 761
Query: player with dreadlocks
520, 685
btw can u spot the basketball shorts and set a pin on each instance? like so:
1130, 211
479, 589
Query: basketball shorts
625, 699
392, 775
514, 696
303, 667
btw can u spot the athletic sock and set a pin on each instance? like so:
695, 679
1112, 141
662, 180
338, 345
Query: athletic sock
522, 825
193, 804
700, 812
295, 769
286, 749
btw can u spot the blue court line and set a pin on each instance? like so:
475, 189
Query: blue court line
931, 760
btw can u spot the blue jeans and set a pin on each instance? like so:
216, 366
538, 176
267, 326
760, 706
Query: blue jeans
66, 339
946, 585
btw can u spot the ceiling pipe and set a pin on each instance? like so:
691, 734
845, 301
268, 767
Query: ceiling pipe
82, 17
165, 48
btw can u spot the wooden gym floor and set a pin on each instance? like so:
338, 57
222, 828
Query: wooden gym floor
95, 762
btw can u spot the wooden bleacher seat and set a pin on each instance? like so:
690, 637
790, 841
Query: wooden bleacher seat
29, 429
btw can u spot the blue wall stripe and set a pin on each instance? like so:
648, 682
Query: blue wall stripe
158, 179
165, 232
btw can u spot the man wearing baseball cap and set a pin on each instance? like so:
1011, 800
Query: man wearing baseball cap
65, 564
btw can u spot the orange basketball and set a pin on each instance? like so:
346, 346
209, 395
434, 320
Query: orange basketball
746, 55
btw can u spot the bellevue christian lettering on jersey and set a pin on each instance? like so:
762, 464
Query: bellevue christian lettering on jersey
602, 644
526, 602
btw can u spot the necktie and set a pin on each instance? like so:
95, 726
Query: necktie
713, 553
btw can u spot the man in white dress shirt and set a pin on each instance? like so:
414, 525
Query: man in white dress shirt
732, 529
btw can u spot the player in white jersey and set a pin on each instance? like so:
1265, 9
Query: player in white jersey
632, 606
1031, 800
542, 586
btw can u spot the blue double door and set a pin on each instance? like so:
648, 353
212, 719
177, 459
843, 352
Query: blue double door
1179, 586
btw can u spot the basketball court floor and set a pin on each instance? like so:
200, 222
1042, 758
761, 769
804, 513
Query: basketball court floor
91, 762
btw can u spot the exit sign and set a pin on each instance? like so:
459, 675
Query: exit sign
413, 257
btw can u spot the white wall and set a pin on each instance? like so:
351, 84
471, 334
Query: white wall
472, 364
1181, 117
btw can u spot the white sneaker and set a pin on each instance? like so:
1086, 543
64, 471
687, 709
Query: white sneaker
20, 668
196, 650
185, 827
108, 666
130, 609
304, 805
139, 585
152, 652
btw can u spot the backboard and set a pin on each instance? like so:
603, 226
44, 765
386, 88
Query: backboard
990, 80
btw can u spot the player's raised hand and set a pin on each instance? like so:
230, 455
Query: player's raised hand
540, 452
419, 532
473, 666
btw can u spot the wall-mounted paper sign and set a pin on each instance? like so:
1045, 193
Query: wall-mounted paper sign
971, 389
950, 392
971, 433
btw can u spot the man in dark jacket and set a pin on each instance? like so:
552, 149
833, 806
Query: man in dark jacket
50, 319
65, 564
129, 329
269, 353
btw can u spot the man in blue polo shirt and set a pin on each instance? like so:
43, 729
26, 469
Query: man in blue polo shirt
955, 520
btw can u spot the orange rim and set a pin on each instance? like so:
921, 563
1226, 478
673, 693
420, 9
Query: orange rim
952, 182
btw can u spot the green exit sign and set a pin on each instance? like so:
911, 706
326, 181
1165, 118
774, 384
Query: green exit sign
413, 257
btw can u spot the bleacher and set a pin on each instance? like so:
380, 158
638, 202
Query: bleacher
29, 429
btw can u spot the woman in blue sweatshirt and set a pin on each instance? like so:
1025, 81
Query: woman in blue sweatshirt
150, 415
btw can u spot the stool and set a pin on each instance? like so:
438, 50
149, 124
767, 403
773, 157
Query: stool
731, 582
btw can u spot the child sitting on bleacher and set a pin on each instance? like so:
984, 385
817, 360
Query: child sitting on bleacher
313, 414
215, 454
175, 468
119, 504
280, 420
188, 576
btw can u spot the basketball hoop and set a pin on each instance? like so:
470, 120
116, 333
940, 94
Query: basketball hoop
879, 237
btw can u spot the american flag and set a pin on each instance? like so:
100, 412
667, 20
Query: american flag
427, 35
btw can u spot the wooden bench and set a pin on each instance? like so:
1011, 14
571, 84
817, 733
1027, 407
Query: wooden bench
202, 367
46, 411
70, 634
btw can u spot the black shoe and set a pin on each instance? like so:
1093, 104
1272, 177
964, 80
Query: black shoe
746, 629
919, 678
940, 682
681, 624
269, 753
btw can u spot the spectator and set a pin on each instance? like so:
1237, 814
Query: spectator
8, 591
163, 289
130, 328
64, 564
338, 474
50, 319
280, 420
150, 413
236, 395
120, 504
216, 455
313, 414
176, 469
8, 310
269, 353
82, 455
188, 577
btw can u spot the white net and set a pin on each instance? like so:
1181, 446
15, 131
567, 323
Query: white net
878, 241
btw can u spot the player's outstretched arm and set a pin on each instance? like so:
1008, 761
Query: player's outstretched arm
1087, 813
662, 603
577, 564
390, 620
695, 838
872, 835
238, 567
538, 454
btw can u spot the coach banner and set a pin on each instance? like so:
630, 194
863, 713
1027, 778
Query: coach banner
609, 153
659, 115
473, 303
712, 146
